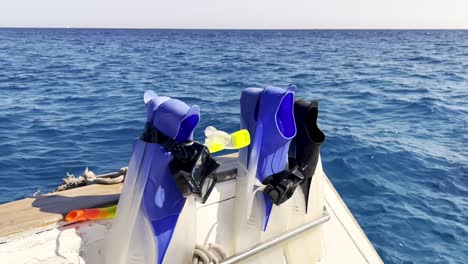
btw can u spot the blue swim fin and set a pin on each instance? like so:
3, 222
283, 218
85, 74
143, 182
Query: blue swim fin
268, 116
162, 200
151, 204
130, 241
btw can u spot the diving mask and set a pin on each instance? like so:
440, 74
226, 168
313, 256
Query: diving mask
192, 167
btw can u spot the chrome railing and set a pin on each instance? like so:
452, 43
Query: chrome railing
275, 240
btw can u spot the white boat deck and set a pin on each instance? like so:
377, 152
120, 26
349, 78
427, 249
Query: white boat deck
31, 231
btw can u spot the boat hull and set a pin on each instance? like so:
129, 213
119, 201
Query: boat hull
341, 237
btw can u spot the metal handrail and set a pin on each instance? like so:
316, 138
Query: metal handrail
275, 240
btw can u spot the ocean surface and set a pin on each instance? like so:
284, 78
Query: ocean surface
393, 105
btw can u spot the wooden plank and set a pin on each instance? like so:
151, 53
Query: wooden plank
33, 213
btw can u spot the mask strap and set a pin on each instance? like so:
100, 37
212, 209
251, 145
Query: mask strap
182, 151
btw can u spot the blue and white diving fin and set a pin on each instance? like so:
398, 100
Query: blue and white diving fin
306, 205
126, 242
151, 207
162, 200
268, 116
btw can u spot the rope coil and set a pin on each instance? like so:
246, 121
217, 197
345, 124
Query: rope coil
89, 178
212, 254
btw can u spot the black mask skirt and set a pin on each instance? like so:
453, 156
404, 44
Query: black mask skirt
192, 166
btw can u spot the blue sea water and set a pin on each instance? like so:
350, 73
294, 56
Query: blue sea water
393, 104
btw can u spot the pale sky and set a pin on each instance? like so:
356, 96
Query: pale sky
241, 14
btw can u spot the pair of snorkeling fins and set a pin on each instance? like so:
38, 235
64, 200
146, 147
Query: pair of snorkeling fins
303, 158
285, 142
275, 172
169, 171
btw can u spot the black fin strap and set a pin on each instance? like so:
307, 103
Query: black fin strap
281, 186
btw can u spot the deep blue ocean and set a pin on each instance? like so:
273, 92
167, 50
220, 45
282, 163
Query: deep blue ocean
393, 105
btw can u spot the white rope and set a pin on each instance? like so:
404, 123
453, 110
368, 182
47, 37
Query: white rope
89, 177
109, 178
212, 254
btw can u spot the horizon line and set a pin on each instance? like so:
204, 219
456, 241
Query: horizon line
232, 29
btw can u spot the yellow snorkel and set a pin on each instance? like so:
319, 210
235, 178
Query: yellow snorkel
217, 140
